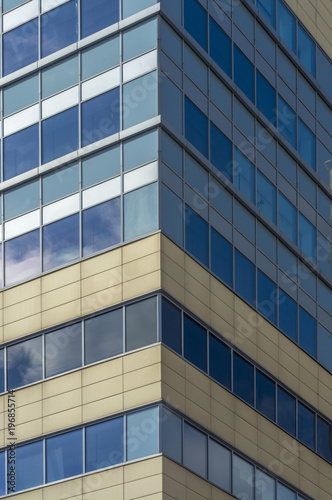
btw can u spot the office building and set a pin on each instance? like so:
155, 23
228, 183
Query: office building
166, 250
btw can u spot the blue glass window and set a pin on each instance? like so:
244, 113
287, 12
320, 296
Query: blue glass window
244, 73
142, 433
287, 122
2, 473
221, 257
2, 371
307, 144
20, 47
306, 50
220, 47
196, 127
196, 236
104, 444
103, 336
324, 343
97, 15
139, 100
195, 21
265, 98
243, 379
194, 450
27, 476
324, 433
194, 343
21, 199
307, 332
64, 456
286, 411
61, 242
265, 395
22, 257
268, 9
287, 315
63, 350
59, 28
287, 217
139, 39
244, 175
60, 135
60, 183
266, 297
219, 361
140, 211
21, 152
306, 425
172, 215
286, 25
24, 363
171, 435
130, 7
307, 237
220, 151
141, 324
101, 226
101, 166
244, 278
100, 117
171, 326
266, 199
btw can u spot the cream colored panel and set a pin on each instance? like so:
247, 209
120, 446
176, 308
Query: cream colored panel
20, 15
61, 208
51, 4
102, 192
141, 176
60, 102
139, 66
22, 224
102, 83
21, 120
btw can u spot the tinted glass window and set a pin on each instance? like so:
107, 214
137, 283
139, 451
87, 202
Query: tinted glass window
27, 476
265, 486
101, 166
220, 95
64, 456
307, 187
264, 42
324, 346
172, 215
307, 144
307, 332
140, 211
141, 324
265, 395
139, 39
21, 152
60, 135
139, 100
220, 151
171, 153
103, 336
22, 257
171, 43
287, 218
194, 343
195, 21
244, 221
2, 373
104, 444
171, 103
266, 297
244, 278
286, 411
100, 57
266, 197
287, 70
20, 47
287, 166
194, 450
267, 8
244, 175
287, 315
324, 446
219, 465
221, 257
306, 425
195, 69
266, 98
196, 176
142, 433
2, 473
307, 238
306, 49
63, 350
20, 95
61, 242
266, 242
196, 236
219, 361
243, 73
196, 124
60, 183
24, 363
100, 117
286, 25
285, 493
130, 7
220, 47
243, 379
172, 435
60, 76
286, 121
140, 150
22, 199
171, 326
101, 226
59, 28
97, 15
243, 473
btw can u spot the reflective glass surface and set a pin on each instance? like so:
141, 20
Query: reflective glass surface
286, 121
286, 25
20, 95
60, 135
196, 236
196, 127
219, 361
287, 217
195, 21
287, 315
140, 150
195, 69
2, 473
59, 76
171, 326
130, 7
307, 144
266, 297
171, 435
61, 242
284, 493
142, 433
60, 183
194, 450
266, 199
21, 199
243, 379
97, 15
265, 486
244, 278
267, 8
24, 362
27, 476
265, 98
307, 238
324, 445
194, 343
243, 73
172, 215
306, 50
265, 395
220, 151
2, 373
139, 39
64, 456
307, 332
286, 411
101, 226
104, 444
141, 324
20, 47
244, 175
21, 152
63, 350
221, 257
100, 57
100, 117
219, 465
101, 166
306, 425
243, 473
139, 100
59, 28
220, 47
22, 257
103, 336
140, 211
325, 346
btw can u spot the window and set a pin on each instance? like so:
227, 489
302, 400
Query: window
27, 476
101, 166
266, 242
104, 444
287, 166
24, 363
244, 175
140, 211
265, 395
244, 73
220, 47
307, 187
139, 39
171, 153
140, 100
307, 237
307, 332
244, 222
101, 226
287, 71
171, 326
2, 371
220, 95
64, 456
287, 122
286, 411
60, 135
194, 343
219, 361
171, 43
243, 379
59, 76
172, 215
172, 435
21, 152
287, 315
324, 446
196, 127
195, 21
59, 28
20, 47
244, 278
103, 336
22, 199
22, 257
60, 183
265, 486
141, 324
306, 425
220, 151
171, 103
265, 98
266, 199
324, 346
61, 242
98, 15
307, 144
63, 350
243, 474
194, 450
20, 95
306, 50
287, 217
100, 57
264, 43
142, 433
195, 69
284, 493
219, 465
286, 25
267, 8
2, 473
221, 257
140, 150
100, 117
196, 176
196, 236
266, 297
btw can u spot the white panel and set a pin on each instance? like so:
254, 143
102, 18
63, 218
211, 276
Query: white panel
22, 224
21, 120
139, 66
51, 4
101, 83
61, 208
141, 176
21, 15
60, 102
102, 192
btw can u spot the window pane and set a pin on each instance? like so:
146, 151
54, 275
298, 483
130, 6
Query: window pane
243, 73
307, 144
142, 433
324, 347
306, 50
307, 238
100, 166
22, 199
22, 257
266, 197
220, 47
171, 326
243, 478
2, 473
307, 187
100, 57
221, 257
264, 43
194, 343
307, 332
196, 236
267, 8
140, 100
100, 117
195, 21
172, 435
61, 242
11, 4
196, 124
171, 43
306, 93
59, 28
104, 444
284, 493
221, 200
306, 425
243, 379
26, 475
97, 15
244, 278
244, 175
103, 336
287, 166
60, 183
265, 395
266, 297
21, 152
139, 39
220, 151
60, 76
140, 150
220, 95
266, 98
265, 486
219, 361
266, 242
20, 95
130, 7
64, 456
140, 211
287, 218
287, 315
171, 103
60, 135
63, 350
194, 450
171, 153
172, 215
286, 121
324, 445
196, 176
286, 25
20, 47
101, 226
2, 372
219, 465
141, 324
195, 69
24, 363
286, 411
244, 221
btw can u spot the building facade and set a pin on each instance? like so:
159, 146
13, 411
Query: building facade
166, 175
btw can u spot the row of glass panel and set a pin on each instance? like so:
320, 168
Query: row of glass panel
135, 326
61, 27
133, 436
65, 132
